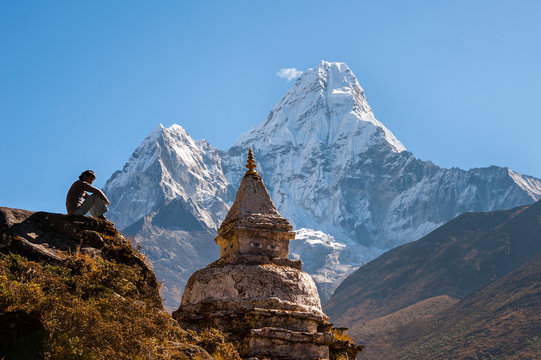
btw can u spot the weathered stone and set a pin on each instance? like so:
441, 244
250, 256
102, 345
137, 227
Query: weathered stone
253, 225
50, 237
253, 283
263, 300
92, 238
287, 344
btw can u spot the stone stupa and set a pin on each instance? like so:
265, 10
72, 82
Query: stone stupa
267, 305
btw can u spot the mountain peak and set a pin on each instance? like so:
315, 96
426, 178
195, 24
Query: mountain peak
325, 105
336, 69
168, 164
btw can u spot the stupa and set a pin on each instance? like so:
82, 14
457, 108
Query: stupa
267, 305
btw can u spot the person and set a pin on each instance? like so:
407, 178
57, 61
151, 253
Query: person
78, 201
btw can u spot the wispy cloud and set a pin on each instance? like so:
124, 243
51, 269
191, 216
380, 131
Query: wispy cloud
289, 73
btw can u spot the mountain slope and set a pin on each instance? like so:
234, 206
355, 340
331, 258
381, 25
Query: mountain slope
499, 321
168, 165
466, 254
349, 187
177, 242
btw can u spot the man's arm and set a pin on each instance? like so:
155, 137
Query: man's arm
94, 190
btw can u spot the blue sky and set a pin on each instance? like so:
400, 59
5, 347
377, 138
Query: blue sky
82, 83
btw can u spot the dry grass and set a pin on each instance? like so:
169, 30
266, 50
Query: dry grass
419, 311
92, 308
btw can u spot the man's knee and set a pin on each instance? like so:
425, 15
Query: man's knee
93, 197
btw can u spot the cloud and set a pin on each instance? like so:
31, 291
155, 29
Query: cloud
289, 73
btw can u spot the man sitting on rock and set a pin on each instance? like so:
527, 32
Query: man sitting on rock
95, 203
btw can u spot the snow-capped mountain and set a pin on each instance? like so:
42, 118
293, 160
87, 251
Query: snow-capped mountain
344, 181
167, 165
331, 166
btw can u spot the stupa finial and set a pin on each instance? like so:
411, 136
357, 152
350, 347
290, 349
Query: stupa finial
251, 164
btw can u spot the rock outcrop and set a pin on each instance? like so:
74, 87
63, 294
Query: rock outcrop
268, 305
72, 286
48, 237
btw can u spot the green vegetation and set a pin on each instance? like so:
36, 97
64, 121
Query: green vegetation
92, 308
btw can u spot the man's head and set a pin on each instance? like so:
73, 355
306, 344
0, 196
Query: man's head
87, 176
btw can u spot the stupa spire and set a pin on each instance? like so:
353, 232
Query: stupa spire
251, 164
253, 226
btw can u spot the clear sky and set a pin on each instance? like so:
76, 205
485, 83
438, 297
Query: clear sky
82, 83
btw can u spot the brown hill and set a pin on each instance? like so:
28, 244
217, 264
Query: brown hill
500, 321
383, 334
464, 255
389, 323
72, 287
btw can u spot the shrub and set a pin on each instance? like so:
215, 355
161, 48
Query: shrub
93, 308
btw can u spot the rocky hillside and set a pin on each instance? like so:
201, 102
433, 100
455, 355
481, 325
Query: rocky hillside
72, 287
459, 276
